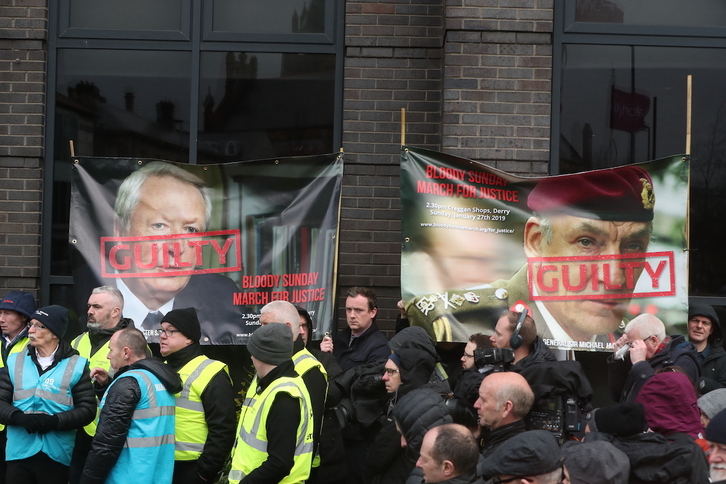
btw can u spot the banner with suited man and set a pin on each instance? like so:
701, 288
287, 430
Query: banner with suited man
224, 239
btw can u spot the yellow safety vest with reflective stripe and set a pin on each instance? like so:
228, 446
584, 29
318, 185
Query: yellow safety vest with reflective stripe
305, 361
99, 359
250, 448
191, 426
17, 347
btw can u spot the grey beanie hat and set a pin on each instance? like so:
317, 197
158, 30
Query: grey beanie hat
271, 344
713, 402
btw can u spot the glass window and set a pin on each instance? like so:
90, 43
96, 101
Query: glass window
624, 104
115, 103
676, 13
269, 17
139, 15
263, 105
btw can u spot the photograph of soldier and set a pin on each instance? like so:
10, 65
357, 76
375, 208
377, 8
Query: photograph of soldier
600, 216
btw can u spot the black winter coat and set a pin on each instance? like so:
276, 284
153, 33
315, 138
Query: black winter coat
416, 413
713, 370
116, 414
626, 380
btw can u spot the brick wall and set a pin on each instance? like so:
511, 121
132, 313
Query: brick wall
393, 61
23, 30
497, 82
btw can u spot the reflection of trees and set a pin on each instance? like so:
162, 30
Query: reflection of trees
708, 201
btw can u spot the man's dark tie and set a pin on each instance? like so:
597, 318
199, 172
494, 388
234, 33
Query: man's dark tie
152, 321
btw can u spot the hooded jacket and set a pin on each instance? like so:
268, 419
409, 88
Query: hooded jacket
416, 413
670, 405
655, 459
626, 380
117, 414
713, 366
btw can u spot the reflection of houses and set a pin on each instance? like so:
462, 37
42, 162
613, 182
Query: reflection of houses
262, 118
101, 129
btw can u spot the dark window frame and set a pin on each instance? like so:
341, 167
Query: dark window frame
191, 38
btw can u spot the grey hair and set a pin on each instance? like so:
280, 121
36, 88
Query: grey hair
285, 313
647, 325
521, 397
553, 477
113, 292
129, 193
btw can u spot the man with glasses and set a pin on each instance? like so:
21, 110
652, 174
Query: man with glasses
649, 350
529, 458
45, 396
205, 409
704, 332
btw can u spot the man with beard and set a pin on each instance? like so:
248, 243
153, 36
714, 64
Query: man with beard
716, 437
581, 227
105, 309
704, 332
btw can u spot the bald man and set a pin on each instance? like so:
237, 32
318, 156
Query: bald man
650, 349
504, 399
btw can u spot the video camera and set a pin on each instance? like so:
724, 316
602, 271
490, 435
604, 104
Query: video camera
499, 358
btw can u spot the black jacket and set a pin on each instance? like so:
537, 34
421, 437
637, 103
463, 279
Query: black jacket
115, 419
333, 467
713, 370
713, 365
84, 400
540, 353
626, 380
494, 438
220, 413
416, 413
369, 347
655, 459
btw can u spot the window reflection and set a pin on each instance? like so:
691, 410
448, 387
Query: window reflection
694, 13
265, 105
624, 104
116, 103
126, 14
269, 17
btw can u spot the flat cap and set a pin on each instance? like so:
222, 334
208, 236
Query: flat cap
618, 194
528, 454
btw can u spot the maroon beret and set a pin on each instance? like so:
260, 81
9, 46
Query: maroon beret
619, 194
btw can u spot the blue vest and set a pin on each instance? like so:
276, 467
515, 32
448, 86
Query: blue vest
51, 393
148, 454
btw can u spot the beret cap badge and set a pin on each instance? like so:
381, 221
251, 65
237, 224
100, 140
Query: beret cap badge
647, 194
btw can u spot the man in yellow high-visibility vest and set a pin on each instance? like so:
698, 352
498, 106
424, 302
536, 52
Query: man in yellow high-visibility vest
205, 408
275, 434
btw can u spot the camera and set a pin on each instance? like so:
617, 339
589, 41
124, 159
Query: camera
499, 358
461, 413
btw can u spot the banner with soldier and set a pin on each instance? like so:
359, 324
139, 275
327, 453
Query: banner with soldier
224, 239
584, 253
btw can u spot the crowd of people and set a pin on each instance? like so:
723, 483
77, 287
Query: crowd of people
354, 408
